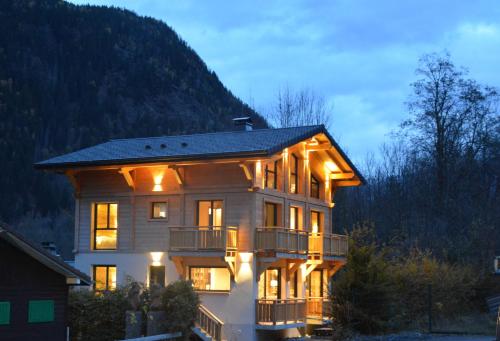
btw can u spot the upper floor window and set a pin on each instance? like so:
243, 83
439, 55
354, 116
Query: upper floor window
270, 284
294, 174
209, 213
105, 226
314, 187
294, 218
271, 214
159, 210
210, 278
104, 277
316, 222
271, 175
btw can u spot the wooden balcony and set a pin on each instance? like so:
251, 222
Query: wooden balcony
318, 309
278, 313
203, 239
329, 245
281, 240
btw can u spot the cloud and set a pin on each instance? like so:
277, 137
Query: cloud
361, 54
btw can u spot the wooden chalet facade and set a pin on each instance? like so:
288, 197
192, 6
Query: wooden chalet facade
33, 290
244, 215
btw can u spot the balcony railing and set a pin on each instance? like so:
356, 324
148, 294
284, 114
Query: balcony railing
280, 312
279, 239
318, 307
209, 323
203, 238
335, 245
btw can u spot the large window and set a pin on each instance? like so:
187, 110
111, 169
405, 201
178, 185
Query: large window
271, 214
210, 279
157, 275
209, 213
104, 277
105, 226
294, 174
314, 187
270, 284
316, 222
159, 210
271, 175
294, 218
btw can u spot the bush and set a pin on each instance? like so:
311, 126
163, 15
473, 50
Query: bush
97, 316
180, 303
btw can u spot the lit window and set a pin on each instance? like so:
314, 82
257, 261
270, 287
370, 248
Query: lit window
293, 285
210, 279
209, 213
270, 284
294, 174
157, 275
271, 175
314, 284
314, 187
105, 226
315, 222
159, 210
104, 277
294, 218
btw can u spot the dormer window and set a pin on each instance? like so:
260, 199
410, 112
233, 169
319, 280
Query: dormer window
294, 174
271, 178
314, 187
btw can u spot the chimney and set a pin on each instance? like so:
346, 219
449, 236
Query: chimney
243, 123
51, 247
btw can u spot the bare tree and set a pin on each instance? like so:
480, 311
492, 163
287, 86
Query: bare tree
299, 108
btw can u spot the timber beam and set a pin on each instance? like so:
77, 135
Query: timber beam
177, 174
125, 171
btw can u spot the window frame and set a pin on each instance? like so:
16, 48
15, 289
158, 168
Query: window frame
264, 274
275, 214
152, 204
209, 267
274, 173
211, 216
294, 175
107, 266
314, 181
151, 272
319, 218
95, 229
294, 209
308, 281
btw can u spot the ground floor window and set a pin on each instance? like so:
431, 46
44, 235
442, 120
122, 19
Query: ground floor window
210, 278
270, 284
104, 277
314, 284
157, 275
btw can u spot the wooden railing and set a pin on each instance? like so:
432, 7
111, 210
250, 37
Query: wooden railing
335, 245
201, 238
318, 307
281, 240
209, 323
273, 312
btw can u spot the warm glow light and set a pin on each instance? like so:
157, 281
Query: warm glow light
274, 283
245, 257
156, 258
332, 166
158, 174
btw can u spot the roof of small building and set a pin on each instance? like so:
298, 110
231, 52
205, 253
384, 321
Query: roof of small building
253, 143
51, 261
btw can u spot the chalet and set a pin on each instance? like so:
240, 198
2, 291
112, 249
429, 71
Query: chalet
245, 215
33, 290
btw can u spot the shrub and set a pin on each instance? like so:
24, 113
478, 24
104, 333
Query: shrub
180, 303
97, 317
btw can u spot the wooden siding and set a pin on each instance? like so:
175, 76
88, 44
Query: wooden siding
23, 279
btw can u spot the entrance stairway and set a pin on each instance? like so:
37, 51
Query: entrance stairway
208, 327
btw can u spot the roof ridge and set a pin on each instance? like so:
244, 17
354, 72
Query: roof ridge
212, 133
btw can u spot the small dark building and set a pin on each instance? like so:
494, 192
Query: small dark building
33, 290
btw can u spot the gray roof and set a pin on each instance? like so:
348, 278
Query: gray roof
259, 142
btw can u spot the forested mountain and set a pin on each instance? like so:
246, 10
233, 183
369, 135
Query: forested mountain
73, 76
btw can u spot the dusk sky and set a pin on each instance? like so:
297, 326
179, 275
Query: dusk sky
360, 55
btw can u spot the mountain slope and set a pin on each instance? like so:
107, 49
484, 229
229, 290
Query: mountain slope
73, 76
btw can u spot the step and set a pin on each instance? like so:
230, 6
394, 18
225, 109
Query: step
201, 334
